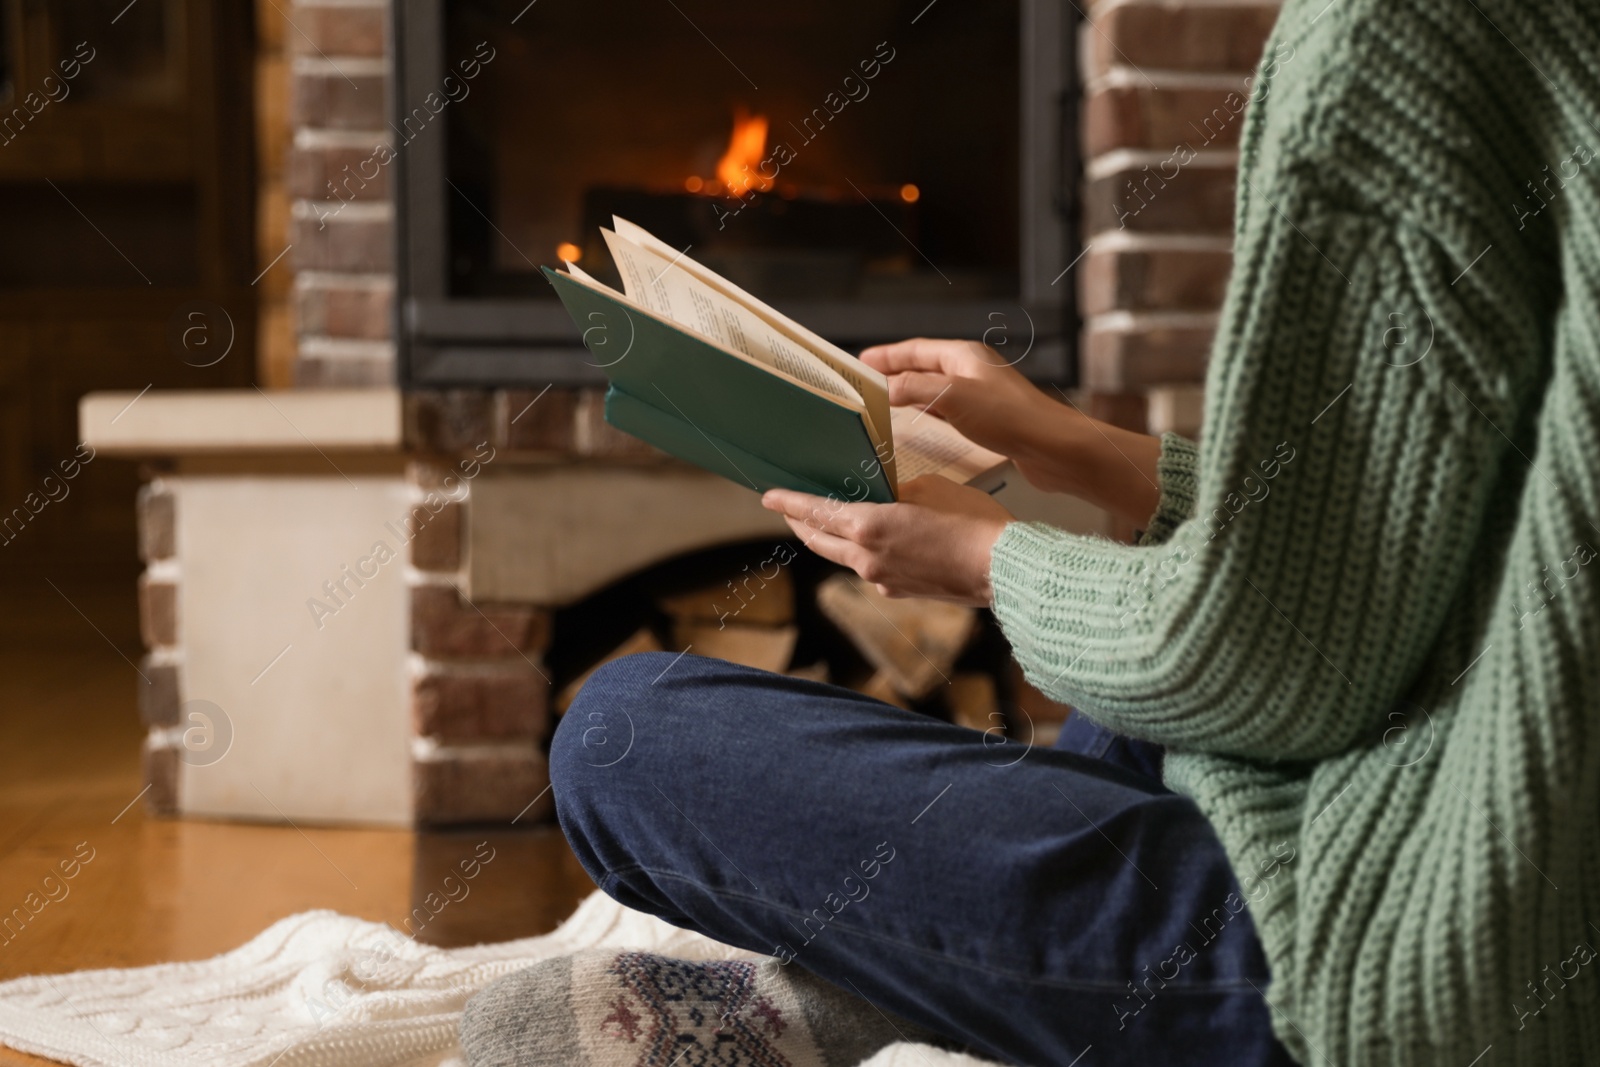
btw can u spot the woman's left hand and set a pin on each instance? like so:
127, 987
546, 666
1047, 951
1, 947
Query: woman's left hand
935, 541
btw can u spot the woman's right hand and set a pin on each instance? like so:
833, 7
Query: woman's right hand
971, 387
1055, 446
988, 400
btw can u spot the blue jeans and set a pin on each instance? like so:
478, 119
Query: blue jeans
1027, 903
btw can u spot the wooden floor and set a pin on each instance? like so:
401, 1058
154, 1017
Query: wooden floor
158, 890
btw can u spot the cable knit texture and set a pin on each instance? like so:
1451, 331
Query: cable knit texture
324, 990
1363, 619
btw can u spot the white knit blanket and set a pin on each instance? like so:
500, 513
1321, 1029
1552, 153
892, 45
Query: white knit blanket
322, 990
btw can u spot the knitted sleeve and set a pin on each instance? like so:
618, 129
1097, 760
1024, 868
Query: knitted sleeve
1304, 558
1175, 471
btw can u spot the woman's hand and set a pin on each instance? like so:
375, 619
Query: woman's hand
935, 541
1055, 446
972, 388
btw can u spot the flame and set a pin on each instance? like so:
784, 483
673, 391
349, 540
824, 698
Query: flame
738, 169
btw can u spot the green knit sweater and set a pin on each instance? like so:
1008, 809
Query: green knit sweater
1364, 619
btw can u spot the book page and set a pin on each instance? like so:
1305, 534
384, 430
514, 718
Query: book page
584, 276
926, 444
870, 385
657, 282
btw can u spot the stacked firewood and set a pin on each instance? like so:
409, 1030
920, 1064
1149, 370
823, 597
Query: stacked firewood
830, 626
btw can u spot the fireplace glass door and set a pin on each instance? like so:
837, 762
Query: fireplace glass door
878, 169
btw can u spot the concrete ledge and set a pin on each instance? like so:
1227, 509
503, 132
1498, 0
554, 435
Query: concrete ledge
1125, 352
551, 537
237, 420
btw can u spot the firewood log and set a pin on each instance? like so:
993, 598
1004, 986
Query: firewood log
643, 641
913, 642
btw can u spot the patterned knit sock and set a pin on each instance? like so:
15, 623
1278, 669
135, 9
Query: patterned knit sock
634, 1009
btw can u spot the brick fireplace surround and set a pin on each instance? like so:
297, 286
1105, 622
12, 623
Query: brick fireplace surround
348, 593
247, 511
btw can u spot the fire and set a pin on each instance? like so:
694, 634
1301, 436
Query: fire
739, 167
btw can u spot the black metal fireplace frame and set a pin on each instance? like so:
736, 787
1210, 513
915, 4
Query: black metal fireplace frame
452, 341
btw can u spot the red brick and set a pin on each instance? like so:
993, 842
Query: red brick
335, 172
157, 511
330, 307
452, 420
1127, 410
437, 546
548, 425
480, 703
160, 771
158, 612
1196, 199
1137, 116
158, 693
458, 788
1129, 359
342, 30
442, 474
335, 238
1157, 279
340, 372
594, 436
1188, 37
445, 625
324, 98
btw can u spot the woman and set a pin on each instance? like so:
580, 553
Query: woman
1330, 796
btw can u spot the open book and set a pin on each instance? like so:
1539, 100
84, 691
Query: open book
705, 371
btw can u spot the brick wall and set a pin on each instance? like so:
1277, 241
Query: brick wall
1165, 85
323, 78
160, 692
480, 697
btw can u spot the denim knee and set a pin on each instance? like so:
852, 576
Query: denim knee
595, 759
599, 729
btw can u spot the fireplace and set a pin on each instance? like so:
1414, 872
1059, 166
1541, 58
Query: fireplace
445, 665
877, 169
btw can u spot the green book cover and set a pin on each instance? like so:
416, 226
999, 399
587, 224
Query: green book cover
708, 407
